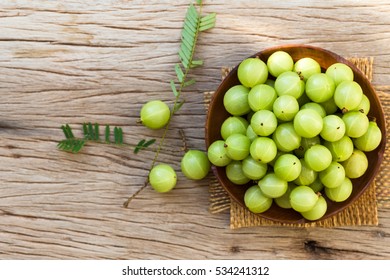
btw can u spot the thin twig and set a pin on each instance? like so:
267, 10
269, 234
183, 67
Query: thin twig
184, 140
127, 202
177, 98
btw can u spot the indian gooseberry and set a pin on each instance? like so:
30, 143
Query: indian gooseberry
235, 100
356, 165
341, 149
279, 62
317, 185
318, 211
356, 123
308, 123
332, 176
162, 178
342, 192
235, 173
306, 67
263, 149
339, 72
273, 186
286, 138
256, 201
364, 106
316, 107
195, 164
254, 169
307, 175
155, 114
303, 198
348, 95
319, 87
284, 200
237, 146
217, 153
261, 97
264, 122
285, 107
370, 140
333, 128
233, 125
287, 167
318, 157
289, 83
305, 144
252, 71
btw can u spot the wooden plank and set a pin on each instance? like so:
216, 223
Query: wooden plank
99, 61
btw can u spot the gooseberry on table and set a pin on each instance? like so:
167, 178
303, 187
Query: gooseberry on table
162, 178
155, 114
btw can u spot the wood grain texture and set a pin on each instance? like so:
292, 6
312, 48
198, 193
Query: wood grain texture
99, 61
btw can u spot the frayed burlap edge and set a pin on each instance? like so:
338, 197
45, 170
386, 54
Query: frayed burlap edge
362, 212
383, 178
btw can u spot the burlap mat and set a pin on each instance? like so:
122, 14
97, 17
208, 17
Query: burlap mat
363, 212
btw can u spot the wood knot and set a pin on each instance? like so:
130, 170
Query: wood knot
380, 234
235, 249
312, 246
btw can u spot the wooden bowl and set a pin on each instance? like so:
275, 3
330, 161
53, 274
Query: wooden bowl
217, 114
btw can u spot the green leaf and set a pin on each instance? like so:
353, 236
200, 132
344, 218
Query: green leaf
209, 17
187, 34
139, 146
178, 106
107, 134
173, 87
90, 132
179, 72
187, 39
196, 63
186, 48
188, 83
71, 145
192, 14
140, 143
96, 132
85, 130
207, 26
143, 144
185, 45
150, 142
199, 2
207, 22
190, 27
118, 135
184, 59
67, 131
186, 52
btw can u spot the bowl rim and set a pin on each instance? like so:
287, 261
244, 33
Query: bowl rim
379, 151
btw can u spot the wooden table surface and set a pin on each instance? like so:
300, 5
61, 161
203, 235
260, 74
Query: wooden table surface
86, 60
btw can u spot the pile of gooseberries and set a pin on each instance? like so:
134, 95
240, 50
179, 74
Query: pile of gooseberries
296, 138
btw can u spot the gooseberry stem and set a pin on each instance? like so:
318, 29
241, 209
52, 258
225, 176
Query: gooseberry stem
173, 111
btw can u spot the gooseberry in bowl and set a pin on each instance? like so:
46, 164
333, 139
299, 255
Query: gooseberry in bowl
340, 133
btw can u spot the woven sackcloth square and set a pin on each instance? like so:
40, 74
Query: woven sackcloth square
363, 212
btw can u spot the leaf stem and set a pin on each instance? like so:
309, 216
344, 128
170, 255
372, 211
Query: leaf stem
177, 98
